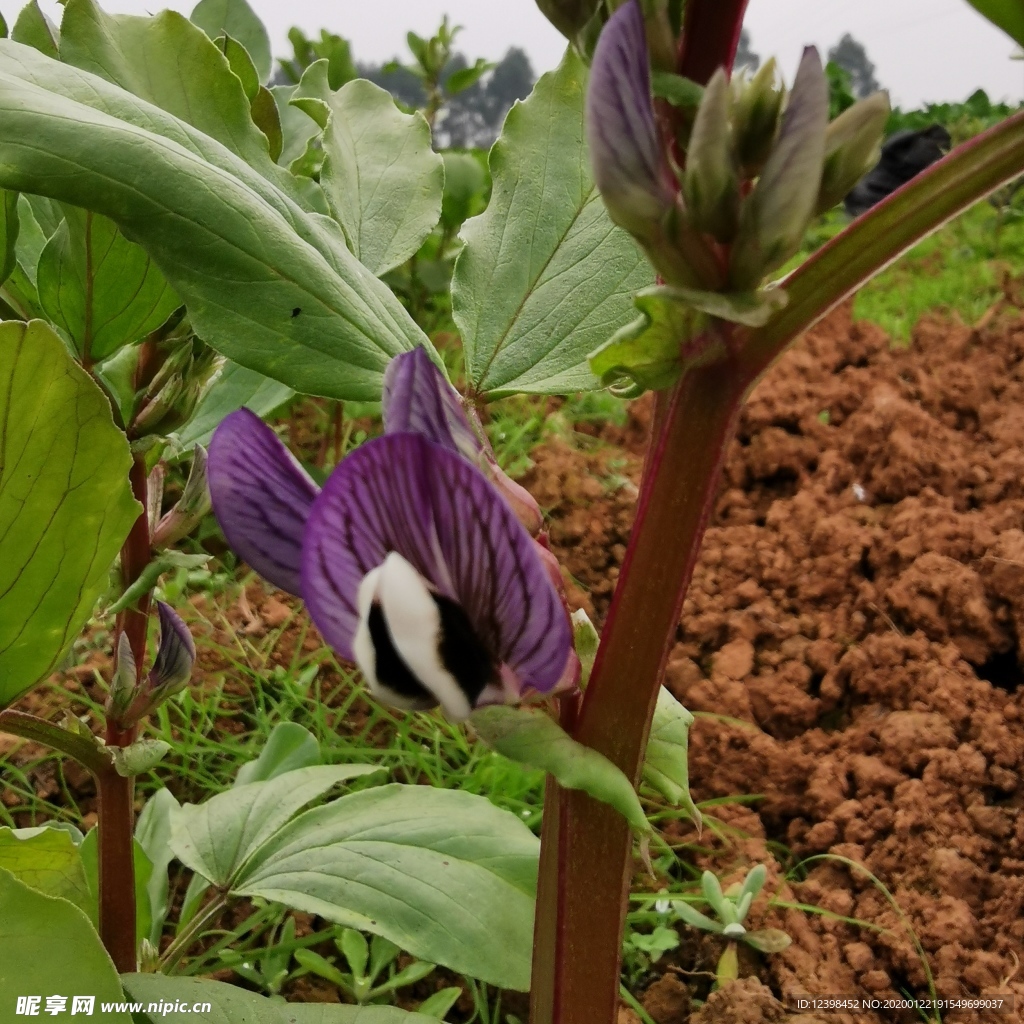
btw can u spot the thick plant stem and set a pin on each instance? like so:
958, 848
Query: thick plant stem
117, 869
116, 794
711, 36
585, 860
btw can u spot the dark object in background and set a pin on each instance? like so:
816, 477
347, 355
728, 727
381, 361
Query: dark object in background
904, 156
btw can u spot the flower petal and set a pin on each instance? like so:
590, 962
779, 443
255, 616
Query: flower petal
403, 493
418, 400
261, 497
621, 130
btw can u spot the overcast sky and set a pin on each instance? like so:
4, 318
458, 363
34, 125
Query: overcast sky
924, 50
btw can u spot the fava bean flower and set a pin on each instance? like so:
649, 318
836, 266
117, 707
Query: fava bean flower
410, 561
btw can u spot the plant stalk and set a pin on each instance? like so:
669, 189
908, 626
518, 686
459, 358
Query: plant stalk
586, 846
89, 755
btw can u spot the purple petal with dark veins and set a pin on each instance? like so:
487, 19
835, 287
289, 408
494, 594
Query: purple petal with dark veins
403, 493
261, 497
621, 130
177, 651
418, 400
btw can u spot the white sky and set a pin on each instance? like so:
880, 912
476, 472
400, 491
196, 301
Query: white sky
923, 50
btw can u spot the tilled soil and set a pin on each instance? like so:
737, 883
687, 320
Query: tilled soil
855, 630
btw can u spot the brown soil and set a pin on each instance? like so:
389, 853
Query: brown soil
858, 616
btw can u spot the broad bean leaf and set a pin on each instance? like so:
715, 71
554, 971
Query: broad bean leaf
443, 874
35, 928
153, 835
34, 29
218, 837
530, 737
297, 127
289, 746
171, 63
103, 290
666, 761
20, 286
231, 1005
48, 860
9, 223
382, 178
268, 284
234, 387
237, 19
65, 503
545, 277
1007, 14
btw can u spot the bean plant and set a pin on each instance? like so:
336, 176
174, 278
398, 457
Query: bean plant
184, 247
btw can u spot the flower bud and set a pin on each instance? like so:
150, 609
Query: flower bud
757, 106
190, 508
177, 388
171, 670
625, 150
852, 146
124, 682
776, 214
711, 186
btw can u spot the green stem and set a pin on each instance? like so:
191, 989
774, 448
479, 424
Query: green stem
38, 730
179, 947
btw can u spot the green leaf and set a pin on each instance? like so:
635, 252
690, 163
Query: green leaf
768, 940
544, 277
8, 233
695, 919
530, 737
234, 388
34, 29
666, 762
59, 530
99, 287
237, 19
269, 285
1006, 14
288, 747
460, 80
169, 62
446, 875
679, 91
47, 860
217, 837
297, 127
36, 928
382, 178
89, 849
311, 1013
153, 834
465, 185
438, 1005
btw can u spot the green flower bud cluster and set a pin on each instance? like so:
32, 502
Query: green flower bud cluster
171, 397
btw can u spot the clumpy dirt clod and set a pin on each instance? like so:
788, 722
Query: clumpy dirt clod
856, 625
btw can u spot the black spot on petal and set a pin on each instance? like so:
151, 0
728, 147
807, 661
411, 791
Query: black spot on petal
391, 670
462, 652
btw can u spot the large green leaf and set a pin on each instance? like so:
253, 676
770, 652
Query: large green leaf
268, 284
173, 64
65, 503
217, 837
383, 181
444, 874
237, 19
99, 287
34, 29
9, 223
231, 1005
234, 387
47, 859
545, 277
36, 928
1007, 14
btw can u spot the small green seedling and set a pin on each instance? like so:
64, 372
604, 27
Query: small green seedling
366, 961
731, 908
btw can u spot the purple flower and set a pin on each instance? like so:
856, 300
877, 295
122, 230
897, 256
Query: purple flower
625, 150
410, 561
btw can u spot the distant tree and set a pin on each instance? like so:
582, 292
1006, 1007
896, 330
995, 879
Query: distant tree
745, 56
852, 57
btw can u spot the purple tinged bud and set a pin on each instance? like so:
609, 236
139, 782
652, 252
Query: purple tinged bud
852, 147
174, 657
123, 685
757, 107
776, 214
625, 150
190, 508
